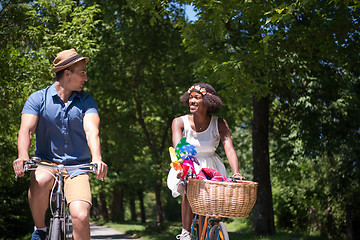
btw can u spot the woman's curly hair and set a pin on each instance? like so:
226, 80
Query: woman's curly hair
211, 100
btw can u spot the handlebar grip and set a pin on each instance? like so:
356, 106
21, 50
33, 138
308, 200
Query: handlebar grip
31, 163
95, 168
27, 165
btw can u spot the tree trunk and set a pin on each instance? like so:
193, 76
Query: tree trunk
117, 210
159, 210
132, 206
95, 210
349, 226
102, 206
330, 225
263, 214
142, 206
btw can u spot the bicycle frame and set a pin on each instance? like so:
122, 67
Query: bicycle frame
204, 223
207, 225
59, 193
209, 228
60, 203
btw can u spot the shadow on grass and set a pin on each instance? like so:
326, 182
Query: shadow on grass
150, 231
172, 232
276, 236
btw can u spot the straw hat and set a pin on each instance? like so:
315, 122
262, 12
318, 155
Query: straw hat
67, 58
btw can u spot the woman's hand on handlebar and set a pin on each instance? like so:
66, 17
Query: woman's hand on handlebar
238, 176
18, 166
101, 169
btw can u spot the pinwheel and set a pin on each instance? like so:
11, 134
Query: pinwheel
183, 157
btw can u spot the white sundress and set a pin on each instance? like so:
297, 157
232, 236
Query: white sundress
205, 143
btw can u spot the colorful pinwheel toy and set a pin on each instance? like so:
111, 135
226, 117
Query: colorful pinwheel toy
183, 157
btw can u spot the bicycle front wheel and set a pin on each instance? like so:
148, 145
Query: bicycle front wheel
55, 229
218, 232
68, 228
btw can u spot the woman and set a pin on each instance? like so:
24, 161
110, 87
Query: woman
204, 131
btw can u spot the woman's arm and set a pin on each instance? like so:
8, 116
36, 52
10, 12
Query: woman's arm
228, 146
177, 129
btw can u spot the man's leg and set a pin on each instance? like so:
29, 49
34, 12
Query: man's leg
78, 196
38, 194
79, 211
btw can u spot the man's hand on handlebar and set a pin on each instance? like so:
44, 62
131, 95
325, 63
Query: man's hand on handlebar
18, 166
101, 169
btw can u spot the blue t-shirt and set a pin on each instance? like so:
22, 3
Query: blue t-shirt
60, 135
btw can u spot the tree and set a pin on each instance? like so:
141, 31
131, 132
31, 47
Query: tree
140, 84
228, 37
266, 49
287, 71
32, 32
324, 100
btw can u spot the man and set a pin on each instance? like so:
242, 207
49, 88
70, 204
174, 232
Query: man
66, 122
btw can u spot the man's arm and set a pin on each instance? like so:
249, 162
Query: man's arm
91, 128
27, 129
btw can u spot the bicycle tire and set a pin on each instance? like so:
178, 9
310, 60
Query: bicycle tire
218, 232
55, 229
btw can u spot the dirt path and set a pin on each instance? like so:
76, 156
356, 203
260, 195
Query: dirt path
101, 232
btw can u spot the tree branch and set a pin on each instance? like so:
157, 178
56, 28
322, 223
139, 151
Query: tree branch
140, 115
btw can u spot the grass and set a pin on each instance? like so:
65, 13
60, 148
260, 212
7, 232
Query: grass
238, 230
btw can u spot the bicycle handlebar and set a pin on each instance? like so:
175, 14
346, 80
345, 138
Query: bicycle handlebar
35, 161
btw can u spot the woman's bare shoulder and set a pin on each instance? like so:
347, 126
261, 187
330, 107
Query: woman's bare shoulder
178, 122
223, 128
222, 122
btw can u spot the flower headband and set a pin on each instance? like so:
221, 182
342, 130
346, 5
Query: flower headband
199, 89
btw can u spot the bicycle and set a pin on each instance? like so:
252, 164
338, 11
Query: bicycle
60, 223
211, 200
209, 227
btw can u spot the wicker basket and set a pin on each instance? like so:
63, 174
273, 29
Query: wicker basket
221, 199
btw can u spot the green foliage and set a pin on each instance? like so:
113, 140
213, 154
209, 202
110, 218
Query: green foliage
145, 73
303, 54
30, 38
298, 53
315, 122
